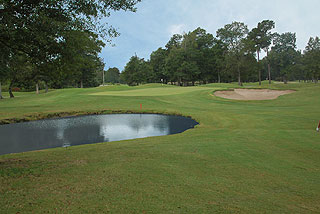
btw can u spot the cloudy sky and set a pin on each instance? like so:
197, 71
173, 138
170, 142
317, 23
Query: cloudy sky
157, 20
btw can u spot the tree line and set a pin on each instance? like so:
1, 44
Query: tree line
54, 42
232, 56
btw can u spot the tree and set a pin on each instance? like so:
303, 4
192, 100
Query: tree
190, 52
135, 71
233, 35
4, 70
25, 23
311, 58
199, 51
80, 56
173, 65
39, 29
2, 76
174, 42
158, 63
262, 38
113, 75
189, 57
217, 60
284, 54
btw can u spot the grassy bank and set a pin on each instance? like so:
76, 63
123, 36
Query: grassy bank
245, 156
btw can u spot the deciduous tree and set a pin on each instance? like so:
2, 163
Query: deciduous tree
284, 54
39, 29
262, 38
113, 75
234, 35
312, 58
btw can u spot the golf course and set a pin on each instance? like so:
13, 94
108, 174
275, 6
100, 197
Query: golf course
245, 156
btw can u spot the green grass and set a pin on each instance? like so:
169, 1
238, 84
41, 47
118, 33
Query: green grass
244, 157
157, 91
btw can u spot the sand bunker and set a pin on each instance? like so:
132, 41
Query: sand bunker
252, 94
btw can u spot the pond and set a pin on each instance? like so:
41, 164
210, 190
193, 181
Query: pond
70, 131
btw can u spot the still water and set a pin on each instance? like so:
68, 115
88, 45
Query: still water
70, 131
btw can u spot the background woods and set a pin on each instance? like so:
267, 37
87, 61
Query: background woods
234, 55
56, 44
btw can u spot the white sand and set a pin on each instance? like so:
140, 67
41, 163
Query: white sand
252, 94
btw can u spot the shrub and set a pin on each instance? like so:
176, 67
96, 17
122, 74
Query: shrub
15, 89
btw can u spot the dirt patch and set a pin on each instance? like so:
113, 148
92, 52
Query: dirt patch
252, 94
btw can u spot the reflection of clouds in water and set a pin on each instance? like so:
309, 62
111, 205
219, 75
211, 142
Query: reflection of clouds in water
158, 122
87, 129
122, 127
61, 125
112, 127
124, 132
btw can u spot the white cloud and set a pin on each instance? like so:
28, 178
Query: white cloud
177, 29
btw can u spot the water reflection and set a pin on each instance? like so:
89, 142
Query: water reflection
71, 131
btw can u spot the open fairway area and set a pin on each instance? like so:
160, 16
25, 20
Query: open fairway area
243, 157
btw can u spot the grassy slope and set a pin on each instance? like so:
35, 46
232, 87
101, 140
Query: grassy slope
245, 156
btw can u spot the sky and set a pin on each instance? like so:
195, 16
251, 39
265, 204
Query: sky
156, 21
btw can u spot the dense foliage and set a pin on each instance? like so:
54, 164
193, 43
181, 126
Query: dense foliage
233, 55
112, 75
55, 42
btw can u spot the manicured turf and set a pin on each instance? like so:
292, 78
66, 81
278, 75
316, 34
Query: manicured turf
157, 91
244, 157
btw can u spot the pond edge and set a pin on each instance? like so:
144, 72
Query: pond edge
56, 115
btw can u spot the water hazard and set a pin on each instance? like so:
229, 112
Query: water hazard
70, 131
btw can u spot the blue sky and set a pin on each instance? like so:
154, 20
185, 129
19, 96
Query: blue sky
157, 20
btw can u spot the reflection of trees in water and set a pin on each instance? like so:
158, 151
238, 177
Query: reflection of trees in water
87, 129
84, 134
37, 135
21, 137
79, 130
180, 124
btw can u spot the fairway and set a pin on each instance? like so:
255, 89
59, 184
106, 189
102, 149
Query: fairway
244, 156
160, 91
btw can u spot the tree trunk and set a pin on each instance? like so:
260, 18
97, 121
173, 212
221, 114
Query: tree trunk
103, 77
239, 76
45, 84
81, 84
269, 73
219, 80
0, 92
269, 68
10, 90
285, 80
37, 88
259, 67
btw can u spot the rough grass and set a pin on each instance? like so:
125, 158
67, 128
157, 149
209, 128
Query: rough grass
244, 157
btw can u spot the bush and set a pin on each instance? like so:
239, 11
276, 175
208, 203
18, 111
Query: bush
16, 89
